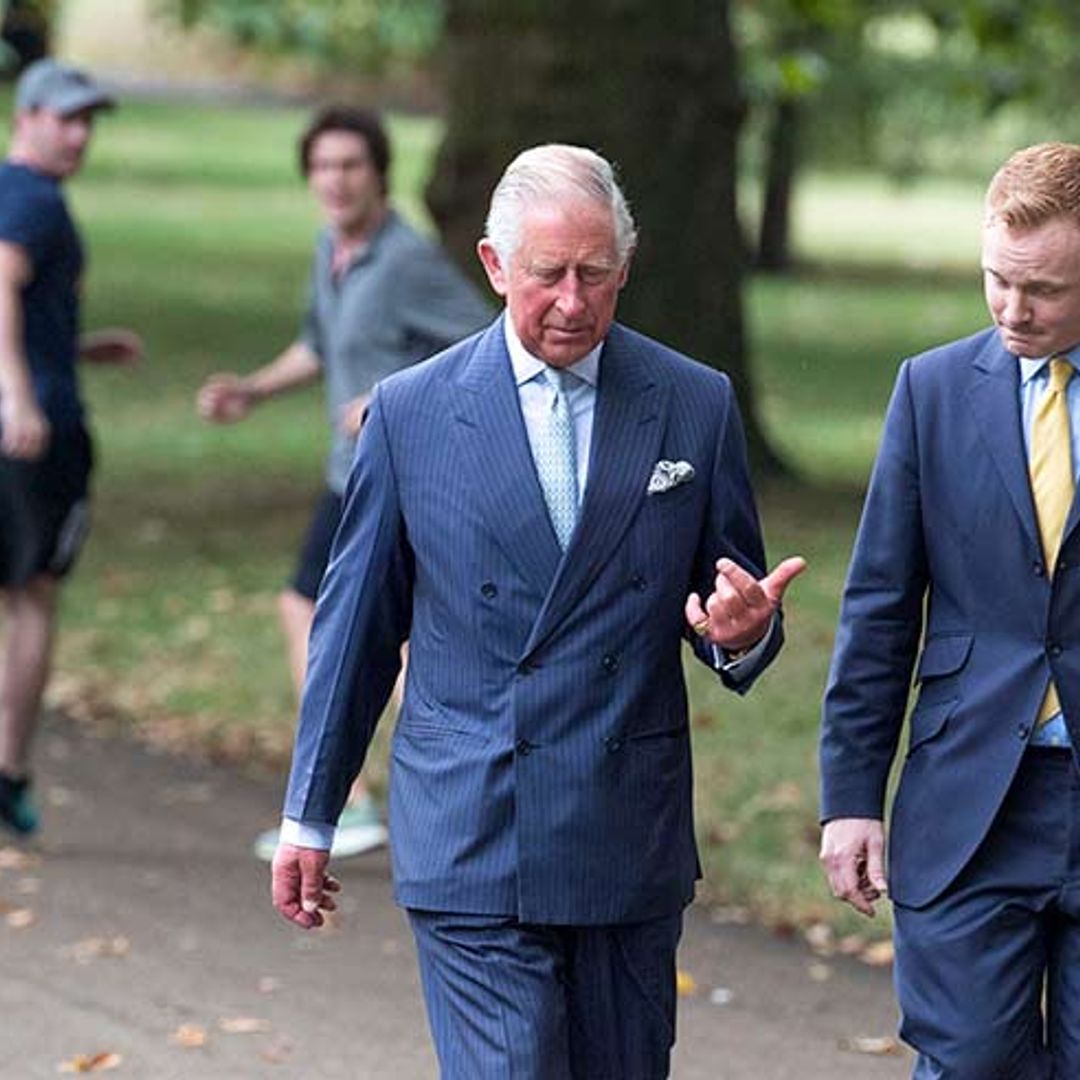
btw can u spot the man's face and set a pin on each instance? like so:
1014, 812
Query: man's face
1031, 278
562, 282
53, 142
344, 180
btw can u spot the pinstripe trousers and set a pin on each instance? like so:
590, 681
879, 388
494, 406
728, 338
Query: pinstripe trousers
512, 1001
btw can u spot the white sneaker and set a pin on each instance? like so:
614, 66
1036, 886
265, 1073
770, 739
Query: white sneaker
359, 831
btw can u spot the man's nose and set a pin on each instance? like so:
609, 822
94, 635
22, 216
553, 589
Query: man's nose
1015, 307
571, 299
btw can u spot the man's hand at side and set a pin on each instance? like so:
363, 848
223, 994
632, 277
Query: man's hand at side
300, 886
853, 857
25, 429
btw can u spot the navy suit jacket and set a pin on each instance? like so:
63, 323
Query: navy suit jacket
540, 765
948, 551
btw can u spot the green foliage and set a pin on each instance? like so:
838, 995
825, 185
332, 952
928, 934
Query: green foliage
366, 34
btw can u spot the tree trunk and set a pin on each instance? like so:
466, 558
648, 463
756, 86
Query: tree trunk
26, 30
653, 88
774, 238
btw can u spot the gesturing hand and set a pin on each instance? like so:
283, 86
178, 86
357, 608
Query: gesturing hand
738, 610
300, 886
223, 399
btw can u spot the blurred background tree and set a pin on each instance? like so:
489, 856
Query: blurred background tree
371, 35
26, 32
664, 89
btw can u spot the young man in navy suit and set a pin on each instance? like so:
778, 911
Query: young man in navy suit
546, 510
969, 550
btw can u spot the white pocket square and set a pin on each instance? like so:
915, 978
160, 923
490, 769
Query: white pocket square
669, 474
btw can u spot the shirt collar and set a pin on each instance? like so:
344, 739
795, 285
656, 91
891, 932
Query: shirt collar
1030, 367
526, 366
362, 251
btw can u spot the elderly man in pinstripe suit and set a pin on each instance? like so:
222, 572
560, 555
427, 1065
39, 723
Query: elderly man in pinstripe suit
546, 510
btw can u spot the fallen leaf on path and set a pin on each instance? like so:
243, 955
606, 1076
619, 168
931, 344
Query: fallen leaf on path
721, 995
730, 915
685, 984
819, 973
192, 794
879, 954
277, 1052
13, 859
820, 938
851, 945
874, 1045
189, 1036
20, 918
243, 1025
91, 1063
95, 948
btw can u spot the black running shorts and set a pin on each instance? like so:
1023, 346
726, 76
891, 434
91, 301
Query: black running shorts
315, 553
44, 509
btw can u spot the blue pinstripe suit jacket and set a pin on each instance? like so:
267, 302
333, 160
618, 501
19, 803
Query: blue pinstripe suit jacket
541, 761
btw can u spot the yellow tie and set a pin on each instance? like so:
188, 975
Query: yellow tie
1052, 481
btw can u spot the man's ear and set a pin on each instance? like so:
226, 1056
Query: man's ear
493, 267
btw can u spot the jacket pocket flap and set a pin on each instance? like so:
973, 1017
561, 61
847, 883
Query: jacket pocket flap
928, 721
943, 655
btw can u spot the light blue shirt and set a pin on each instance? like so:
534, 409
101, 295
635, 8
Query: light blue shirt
1034, 376
535, 397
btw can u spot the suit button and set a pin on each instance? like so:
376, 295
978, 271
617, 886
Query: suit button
639, 582
610, 663
614, 744
489, 590
1038, 569
1022, 730
1063, 564
1054, 649
524, 747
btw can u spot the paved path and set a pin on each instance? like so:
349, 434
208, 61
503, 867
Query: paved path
148, 918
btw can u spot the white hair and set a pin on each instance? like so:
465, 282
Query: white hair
555, 173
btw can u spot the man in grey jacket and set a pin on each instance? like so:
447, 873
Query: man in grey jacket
382, 297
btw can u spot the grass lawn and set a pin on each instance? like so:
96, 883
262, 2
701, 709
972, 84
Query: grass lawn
200, 234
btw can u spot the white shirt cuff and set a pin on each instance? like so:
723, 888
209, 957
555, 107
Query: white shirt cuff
748, 659
305, 834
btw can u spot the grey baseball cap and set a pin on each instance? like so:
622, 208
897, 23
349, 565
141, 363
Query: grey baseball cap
49, 84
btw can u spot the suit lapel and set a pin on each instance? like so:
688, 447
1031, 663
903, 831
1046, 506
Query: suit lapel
627, 429
495, 446
995, 398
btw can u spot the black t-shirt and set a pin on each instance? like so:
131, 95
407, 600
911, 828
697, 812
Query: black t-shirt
34, 216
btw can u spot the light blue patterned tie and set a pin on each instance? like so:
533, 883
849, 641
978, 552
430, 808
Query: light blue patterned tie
556, 457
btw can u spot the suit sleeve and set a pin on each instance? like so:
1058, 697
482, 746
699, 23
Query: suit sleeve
880, 624
361, 619
734, 532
